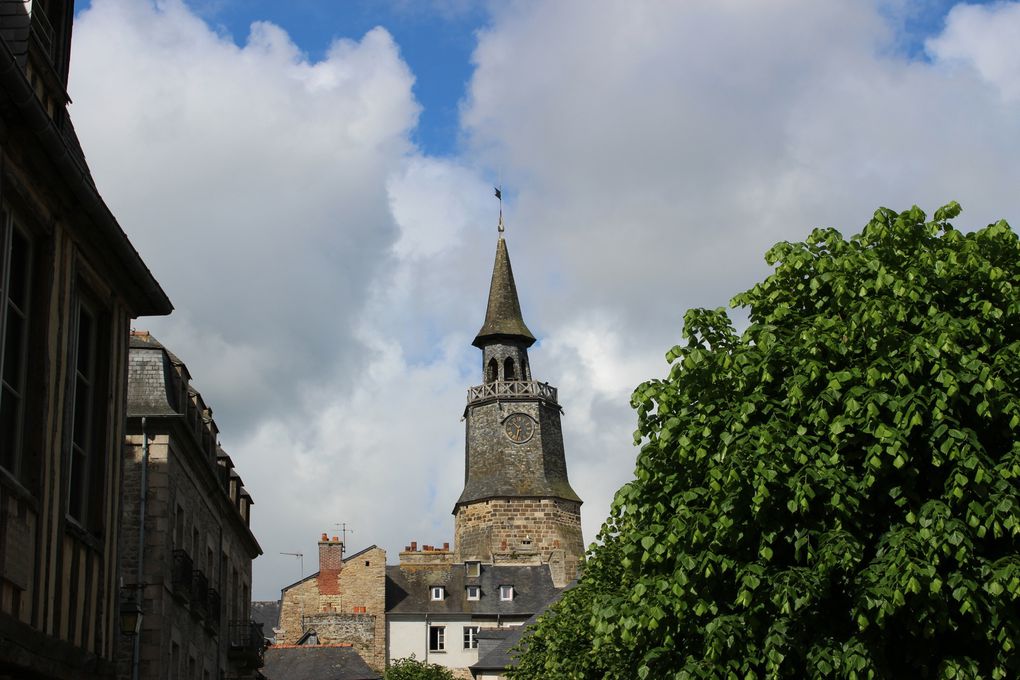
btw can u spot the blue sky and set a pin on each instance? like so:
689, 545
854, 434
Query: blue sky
324, 224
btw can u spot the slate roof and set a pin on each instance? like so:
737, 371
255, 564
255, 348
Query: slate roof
408, 589
321, 662
151, 378
496, 657
503, 318
266, 612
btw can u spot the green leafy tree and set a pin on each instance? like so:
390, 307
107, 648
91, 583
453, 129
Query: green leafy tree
834, 492
412, 669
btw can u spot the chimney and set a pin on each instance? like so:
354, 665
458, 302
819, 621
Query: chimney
331, 561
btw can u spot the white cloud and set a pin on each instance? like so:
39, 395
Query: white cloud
251, 180
329, 278
983, 38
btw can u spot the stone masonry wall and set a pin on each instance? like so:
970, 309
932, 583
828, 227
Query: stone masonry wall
359, 630
495, 530
342, 606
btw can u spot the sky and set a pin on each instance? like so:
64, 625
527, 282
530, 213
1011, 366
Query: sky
311, 182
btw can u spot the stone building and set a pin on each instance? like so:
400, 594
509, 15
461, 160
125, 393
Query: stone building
517, 504
343, 602
517, 522
189, 564
70, 282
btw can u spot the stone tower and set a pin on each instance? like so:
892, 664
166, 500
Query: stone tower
517, 504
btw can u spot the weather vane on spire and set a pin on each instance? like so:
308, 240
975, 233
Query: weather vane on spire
499, 195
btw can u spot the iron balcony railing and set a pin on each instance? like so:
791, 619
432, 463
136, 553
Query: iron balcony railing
212, 621
199, 593
247, 643
181, 574
512, 389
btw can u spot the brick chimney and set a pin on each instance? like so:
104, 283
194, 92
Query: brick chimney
331, 561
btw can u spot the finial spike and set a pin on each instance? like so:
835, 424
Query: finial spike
500, 226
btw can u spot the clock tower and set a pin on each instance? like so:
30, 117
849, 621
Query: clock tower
517, 505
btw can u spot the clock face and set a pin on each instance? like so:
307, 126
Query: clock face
519, 428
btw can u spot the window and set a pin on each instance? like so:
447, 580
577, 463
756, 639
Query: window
470, 637
491, 371
474, 593
15, 280
175, 661
474, 569
85, 484
506, 593
437, 639
179, 529
438, 592
508, 369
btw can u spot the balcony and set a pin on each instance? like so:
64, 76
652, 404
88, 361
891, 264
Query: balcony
199, 594
181, 575
246, 643
512, 389
212, 620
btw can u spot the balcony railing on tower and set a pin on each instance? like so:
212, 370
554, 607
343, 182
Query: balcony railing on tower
512, 389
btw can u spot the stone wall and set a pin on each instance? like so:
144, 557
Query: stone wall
497, 530
187, 510
346, 605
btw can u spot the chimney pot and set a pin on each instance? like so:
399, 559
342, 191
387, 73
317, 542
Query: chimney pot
446, 547
414, 546
336, 538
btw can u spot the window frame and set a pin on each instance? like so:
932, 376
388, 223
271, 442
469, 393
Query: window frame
473, 568
87, 453
437, 639
471, 637
506, 593
16, 386
477, 593
437, 593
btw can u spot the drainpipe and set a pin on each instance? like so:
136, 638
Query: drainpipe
427, 638
140, 574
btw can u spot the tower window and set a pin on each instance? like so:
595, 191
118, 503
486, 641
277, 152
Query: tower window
508, 370
491, 370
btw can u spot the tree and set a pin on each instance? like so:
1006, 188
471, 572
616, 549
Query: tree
834, 492
412, 669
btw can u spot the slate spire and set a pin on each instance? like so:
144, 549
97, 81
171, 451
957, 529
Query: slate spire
503, 320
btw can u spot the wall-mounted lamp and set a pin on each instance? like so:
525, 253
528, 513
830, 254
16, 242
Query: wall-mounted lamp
130, 617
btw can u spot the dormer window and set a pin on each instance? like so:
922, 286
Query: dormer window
438, 593
474, 569
474, 592
506, 593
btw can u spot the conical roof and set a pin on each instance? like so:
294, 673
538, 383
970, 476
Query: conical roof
503, 318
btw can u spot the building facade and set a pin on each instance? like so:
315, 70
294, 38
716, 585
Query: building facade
188, 565
70, 282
